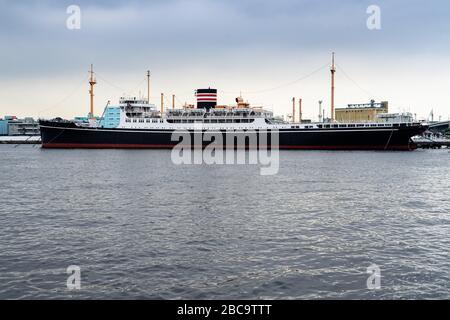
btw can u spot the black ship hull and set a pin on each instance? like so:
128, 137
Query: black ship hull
69, 135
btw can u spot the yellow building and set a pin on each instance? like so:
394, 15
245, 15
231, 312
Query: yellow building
361, 112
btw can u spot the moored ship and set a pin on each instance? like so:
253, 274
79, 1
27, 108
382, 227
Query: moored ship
144, 130
141, 125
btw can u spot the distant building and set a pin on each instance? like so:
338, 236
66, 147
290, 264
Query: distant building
4, 124
81, 119
361, 112
11, 126
86, 120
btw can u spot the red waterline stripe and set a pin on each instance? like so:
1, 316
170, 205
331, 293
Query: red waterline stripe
170, 146
105, 146
349, 147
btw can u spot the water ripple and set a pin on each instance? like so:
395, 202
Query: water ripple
140, 227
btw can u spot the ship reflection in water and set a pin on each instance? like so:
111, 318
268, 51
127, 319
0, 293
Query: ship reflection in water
139, 226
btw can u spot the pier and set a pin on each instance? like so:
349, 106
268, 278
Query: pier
431, 143
436, 136
20, 139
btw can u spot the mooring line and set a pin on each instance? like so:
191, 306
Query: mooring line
389, 140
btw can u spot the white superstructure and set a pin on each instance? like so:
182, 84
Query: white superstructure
139, 114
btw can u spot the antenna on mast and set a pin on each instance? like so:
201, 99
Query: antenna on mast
92, 82
333, 71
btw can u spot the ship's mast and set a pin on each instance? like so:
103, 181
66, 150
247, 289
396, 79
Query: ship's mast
293, 110
148, 86
320, 111
300, 110
92, 82
333, 71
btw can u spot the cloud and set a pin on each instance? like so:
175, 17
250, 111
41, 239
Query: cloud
34, 33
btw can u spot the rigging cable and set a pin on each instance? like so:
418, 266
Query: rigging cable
179, 101
282, 85
133, 92
355, 83
110, 83
125, 92
65, 98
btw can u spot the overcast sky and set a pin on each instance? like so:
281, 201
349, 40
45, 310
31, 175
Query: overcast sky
258, 48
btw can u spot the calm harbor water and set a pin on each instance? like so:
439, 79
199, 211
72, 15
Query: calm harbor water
139, 226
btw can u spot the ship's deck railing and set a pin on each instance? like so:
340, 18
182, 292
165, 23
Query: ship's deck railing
365, 124
219, 113
236, 116
211, 120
